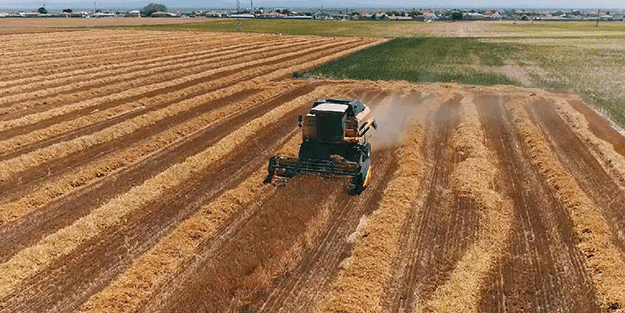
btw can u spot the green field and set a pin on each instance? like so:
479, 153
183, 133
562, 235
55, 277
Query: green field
389, 29
305, 27
461, 60
573, 56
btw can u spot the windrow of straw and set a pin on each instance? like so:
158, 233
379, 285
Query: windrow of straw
126, 89
36, 258
160, 264
360, 284
20, 163
93, 64
86, 50
262, 277
612, 160
93, 117
603, 259
89, 53
39, 50
133, 69
474, 178
156, 72
83, 176
140, 56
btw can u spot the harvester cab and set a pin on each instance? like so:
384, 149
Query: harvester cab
335, 142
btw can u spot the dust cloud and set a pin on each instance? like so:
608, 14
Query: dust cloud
393, 114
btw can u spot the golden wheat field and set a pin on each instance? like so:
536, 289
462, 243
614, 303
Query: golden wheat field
132, 167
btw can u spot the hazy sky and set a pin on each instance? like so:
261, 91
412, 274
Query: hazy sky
620, 4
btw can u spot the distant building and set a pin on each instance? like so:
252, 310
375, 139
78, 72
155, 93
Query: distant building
429, 16
215, 14
134, 13
299, 17
79, 14
241, 15
163, 14
104, 14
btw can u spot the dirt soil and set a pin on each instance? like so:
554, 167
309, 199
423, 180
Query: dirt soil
133, 182
48, 25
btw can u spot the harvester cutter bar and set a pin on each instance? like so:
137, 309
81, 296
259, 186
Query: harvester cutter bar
290, 166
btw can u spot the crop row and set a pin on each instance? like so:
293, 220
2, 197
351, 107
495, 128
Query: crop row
93, 50
474, 177
97, 169
123, 80
360, 284
91, 62
132, 89
160, 264
56, 129
64, 148
33, 259
35, 82
603, 259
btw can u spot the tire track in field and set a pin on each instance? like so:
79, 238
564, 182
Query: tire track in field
54, 151
111, 253
442, 224
360, 284
599, 126
474, 177
158, 266
595, 239
543, 271
578, 160
241, 259
61, 213
303, 288
23, 270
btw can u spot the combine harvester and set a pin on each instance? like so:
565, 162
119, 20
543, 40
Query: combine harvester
335, 142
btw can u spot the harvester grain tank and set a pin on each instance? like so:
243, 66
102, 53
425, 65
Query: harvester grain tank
335, 142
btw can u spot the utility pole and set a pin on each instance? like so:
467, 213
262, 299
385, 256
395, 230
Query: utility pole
598, 17
252, 6
238, 17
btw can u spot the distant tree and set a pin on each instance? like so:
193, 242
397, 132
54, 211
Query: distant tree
456, 15
98, 11
153, 7
68, 11
286, 12
42, 10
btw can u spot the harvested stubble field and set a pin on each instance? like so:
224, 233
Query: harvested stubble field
48, 25
134, 182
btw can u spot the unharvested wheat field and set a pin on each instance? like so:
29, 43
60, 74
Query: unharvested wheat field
131, 180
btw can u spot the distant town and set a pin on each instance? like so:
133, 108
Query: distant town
425, 15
